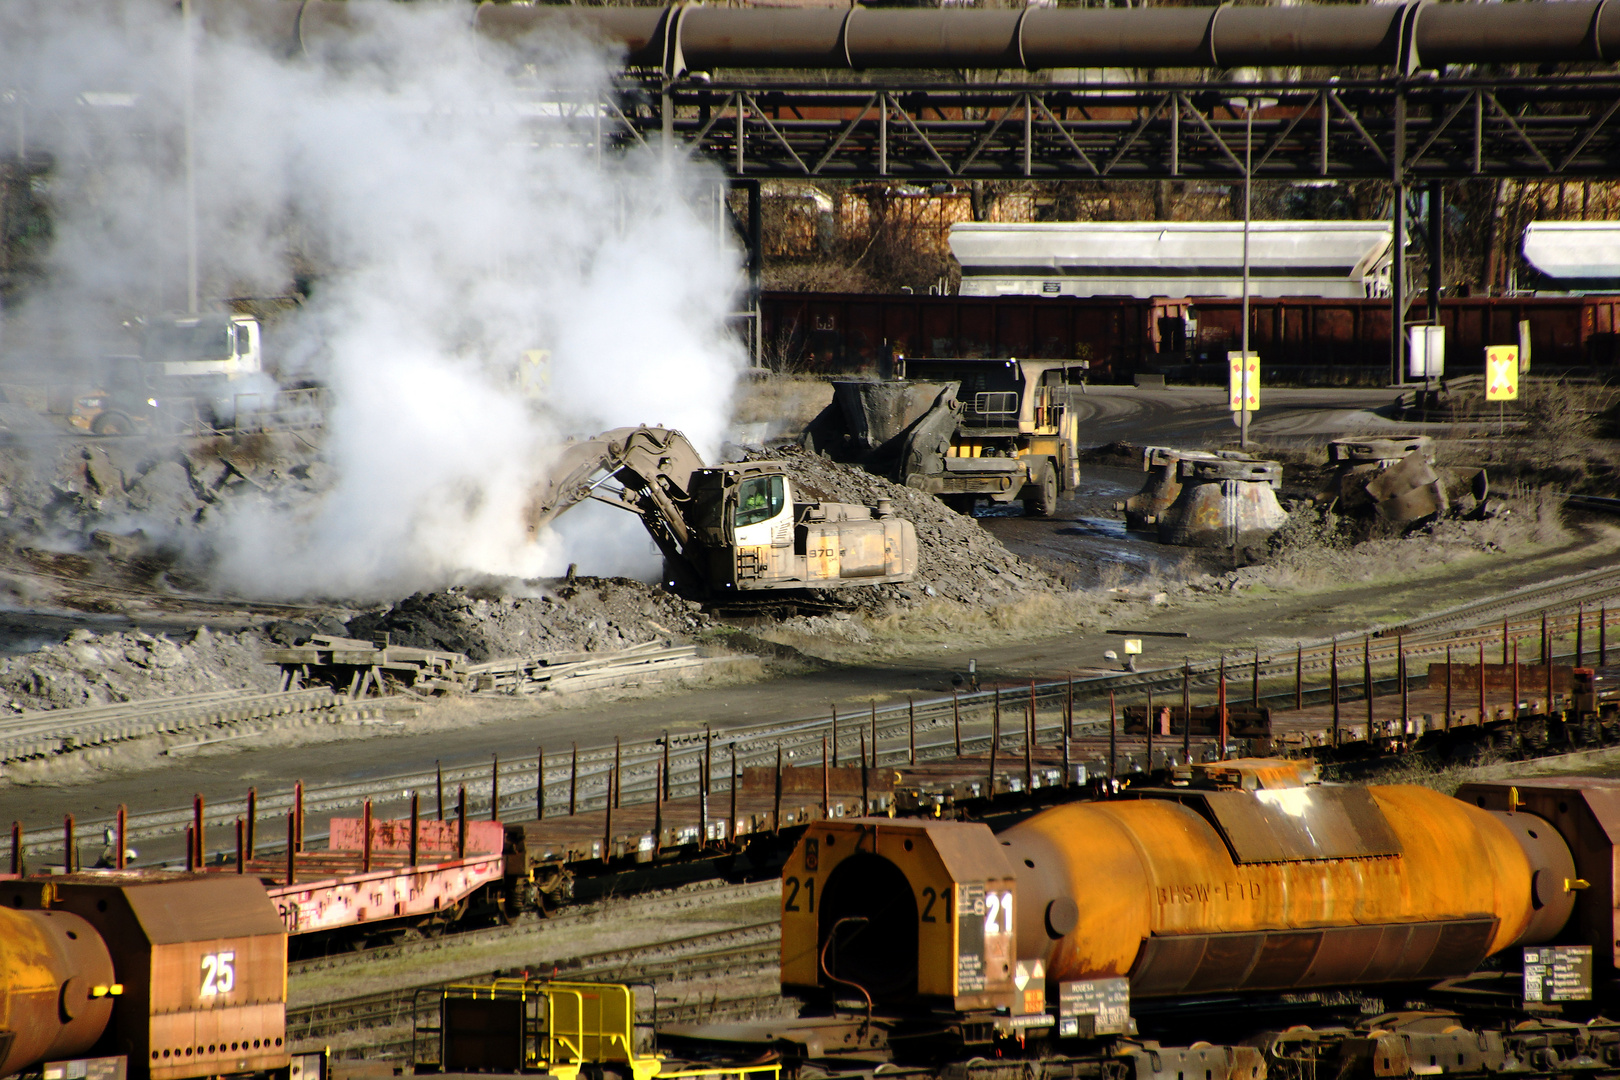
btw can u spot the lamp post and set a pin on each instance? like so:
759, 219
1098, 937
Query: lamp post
1248, 191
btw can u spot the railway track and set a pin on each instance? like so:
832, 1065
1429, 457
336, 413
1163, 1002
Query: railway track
800, 740
741, 952
671, 902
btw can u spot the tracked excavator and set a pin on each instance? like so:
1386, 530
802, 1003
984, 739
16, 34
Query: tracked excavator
732, 529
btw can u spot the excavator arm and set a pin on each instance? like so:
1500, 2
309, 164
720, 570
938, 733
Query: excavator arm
653, 469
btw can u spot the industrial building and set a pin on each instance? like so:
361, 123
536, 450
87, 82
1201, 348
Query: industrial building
1338, 259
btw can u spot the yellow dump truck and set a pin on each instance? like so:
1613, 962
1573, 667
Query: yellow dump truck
961, 429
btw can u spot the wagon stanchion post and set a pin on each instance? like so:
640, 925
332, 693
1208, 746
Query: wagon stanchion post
292, 847
539, 783
67, 846
1603, 635
1112, 725
1482, 683
298, 810
872, 722
911, 722
826, 793
667, 781
618, 773
1515, 686
573, 782
1333, 688
1186, 711
658, 807
1029, 742
416, 828
1546, 656
776, 795
121, 838
1400, 671
1067, 771
1068, 710
703, 797
995, 743
1220, 711
438, 772
1148, 716
956, 718
197, 815
1299, 677
607, 821
495, 787
1367, 682
461, 822
1580, 632
731, 825
241, 847
1448, 687
708, 754
252, 827
1504, 640
16, 848
865, 781
1548, 668
365, 837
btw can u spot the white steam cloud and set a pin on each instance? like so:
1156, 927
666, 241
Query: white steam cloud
417, 167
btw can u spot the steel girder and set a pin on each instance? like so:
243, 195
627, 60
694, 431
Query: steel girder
1411, 130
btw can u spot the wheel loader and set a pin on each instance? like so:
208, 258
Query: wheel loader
730, 529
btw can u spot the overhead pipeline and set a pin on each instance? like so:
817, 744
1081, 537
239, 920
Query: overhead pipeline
693, 38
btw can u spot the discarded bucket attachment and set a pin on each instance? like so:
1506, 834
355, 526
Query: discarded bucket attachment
1144, 509
1396, 479
1223, 503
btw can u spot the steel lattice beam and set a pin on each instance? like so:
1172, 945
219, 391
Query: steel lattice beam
1423, 129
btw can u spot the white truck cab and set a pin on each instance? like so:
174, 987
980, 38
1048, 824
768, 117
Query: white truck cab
211, 346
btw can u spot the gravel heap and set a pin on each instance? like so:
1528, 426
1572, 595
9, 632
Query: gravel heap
65, 487
956, 558
100, 669
585, 614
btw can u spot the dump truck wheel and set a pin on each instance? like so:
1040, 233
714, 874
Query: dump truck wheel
112, 423
1042, 502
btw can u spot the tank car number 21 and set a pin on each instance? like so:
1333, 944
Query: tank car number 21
218, 974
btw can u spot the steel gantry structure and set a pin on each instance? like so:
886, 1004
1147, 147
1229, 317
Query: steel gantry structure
1429, 92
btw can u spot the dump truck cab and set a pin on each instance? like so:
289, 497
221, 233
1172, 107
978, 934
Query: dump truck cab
1014, 436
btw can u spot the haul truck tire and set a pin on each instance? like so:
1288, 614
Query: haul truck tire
112, 423
1041, 493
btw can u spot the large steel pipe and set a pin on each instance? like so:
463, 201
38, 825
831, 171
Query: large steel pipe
700, 38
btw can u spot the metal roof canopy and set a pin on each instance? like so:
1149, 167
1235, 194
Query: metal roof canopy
1204, 258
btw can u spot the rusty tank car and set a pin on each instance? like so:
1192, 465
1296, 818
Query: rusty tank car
161, 976
1243, 878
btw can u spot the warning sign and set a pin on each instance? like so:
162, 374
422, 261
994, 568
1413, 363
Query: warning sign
1502, 373
1251, 403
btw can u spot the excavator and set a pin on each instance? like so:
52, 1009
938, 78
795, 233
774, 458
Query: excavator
727, 530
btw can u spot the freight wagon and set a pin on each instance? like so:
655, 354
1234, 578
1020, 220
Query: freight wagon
1300, 339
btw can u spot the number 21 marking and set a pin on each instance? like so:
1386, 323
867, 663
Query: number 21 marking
998, 905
